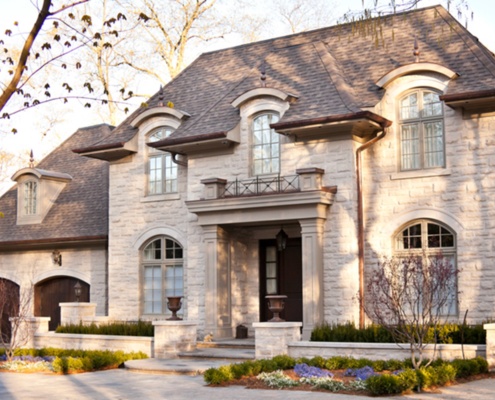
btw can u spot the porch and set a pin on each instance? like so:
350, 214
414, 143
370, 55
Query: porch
248, 215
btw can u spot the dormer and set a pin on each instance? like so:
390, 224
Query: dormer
37, 191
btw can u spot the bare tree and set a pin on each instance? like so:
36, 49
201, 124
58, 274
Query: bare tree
15, 307
170, 29
54, 38
303, 15
411, 295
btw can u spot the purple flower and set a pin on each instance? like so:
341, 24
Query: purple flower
360, 373
306, 371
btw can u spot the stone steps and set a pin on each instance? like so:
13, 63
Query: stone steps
228, 350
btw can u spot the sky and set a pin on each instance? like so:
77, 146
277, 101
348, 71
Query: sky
481, 26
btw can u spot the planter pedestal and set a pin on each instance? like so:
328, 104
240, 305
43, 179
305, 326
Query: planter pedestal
172, 337
272, 338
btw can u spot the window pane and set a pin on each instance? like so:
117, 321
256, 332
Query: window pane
410, 147
432, 105
271, 270
433, 143
271, 286
265, 145
271, 254
153, 251
30, 198
152, 290
409, 107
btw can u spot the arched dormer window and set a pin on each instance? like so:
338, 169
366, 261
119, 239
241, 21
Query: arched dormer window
434, 244
422, 143
265, 145
30, 197
162, 171
162, 274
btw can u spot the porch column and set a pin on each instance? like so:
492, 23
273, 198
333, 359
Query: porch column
218, 318
312, 273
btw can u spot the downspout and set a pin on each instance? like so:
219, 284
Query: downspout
175, 160
365, 146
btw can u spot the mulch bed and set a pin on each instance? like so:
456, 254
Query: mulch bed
255, 383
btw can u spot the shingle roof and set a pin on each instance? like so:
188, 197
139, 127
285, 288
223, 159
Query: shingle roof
338, 82
81, 209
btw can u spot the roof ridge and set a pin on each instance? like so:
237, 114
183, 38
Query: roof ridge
468, 39
336, 25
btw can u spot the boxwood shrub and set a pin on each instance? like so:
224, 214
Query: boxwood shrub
445, 334
137, 328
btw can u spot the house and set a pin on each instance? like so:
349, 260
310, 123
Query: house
288, 166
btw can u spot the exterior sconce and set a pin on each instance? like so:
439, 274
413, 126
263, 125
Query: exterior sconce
57, 258
281, 240
77, 291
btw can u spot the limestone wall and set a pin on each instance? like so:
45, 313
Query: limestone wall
32, 267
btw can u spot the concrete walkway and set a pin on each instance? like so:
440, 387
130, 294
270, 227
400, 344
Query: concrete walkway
123, 384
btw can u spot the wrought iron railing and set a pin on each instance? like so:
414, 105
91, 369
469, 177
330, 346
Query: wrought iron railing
262, 185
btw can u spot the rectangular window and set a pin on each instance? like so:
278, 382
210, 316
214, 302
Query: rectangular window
422, 142
30, 198
153, 289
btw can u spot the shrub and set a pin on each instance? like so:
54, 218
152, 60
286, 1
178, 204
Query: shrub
408, 379
384, 384
216, 376
348, 332
284, 362
137, 328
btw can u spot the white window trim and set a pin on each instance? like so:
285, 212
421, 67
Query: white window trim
163, 195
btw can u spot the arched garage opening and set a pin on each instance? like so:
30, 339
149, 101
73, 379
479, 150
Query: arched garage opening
9, 306
50, 292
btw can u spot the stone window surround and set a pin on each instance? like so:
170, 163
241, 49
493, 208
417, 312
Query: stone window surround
146, 128
141, 240
49, 185
163, 263
450, 251
395, 89
164, 195
255, 107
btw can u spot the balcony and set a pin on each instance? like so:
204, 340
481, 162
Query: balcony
261, 185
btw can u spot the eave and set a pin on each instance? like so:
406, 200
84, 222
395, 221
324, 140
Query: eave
216, 142
59, 243
109, 152
482, 101
360, 125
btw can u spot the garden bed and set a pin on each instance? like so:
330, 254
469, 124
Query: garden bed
346, 375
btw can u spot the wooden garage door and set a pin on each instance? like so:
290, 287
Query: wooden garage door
49, 293
9, 304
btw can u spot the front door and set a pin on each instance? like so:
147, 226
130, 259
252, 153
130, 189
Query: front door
9, 306
281, 273
48, 294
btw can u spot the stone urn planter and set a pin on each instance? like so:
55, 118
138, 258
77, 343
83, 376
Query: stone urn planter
276, 304
174, 304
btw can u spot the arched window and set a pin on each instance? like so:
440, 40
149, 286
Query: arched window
435, 243
422, 143
162, 171
30, 197
265, 145
162, 274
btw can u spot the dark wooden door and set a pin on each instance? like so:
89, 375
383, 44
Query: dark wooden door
9, 306
48, 294
281, 273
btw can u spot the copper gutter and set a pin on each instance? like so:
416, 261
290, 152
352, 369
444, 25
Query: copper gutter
110, 146
480, 94
361, 218
332, 118
189, 139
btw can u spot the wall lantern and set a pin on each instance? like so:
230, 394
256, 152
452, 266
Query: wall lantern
57, 257
281, 240
77, 291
